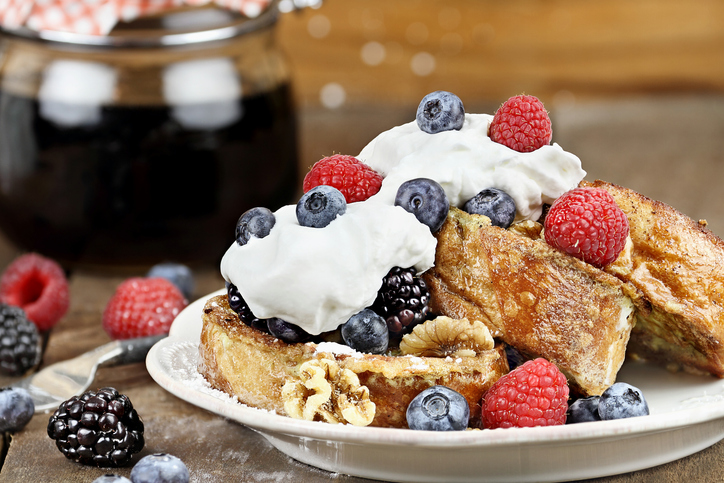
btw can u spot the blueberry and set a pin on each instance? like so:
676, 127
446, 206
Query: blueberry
438, 408
583, 410
622, 400
425, 199
160, 468
176, 273
440, 111
285, 331
320, 206
236, 302
255, 222
16, 409
495, 204
111, 478
514, 357
366, 332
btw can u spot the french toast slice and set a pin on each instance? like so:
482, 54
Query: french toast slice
255, 367
676, 263
539, 300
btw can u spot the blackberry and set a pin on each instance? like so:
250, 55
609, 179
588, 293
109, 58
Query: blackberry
98, 428
402, 300
19, 341
239, 305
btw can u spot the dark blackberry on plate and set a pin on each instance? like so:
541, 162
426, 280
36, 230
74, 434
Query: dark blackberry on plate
402, 300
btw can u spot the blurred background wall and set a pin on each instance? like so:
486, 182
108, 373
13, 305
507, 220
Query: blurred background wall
635, 89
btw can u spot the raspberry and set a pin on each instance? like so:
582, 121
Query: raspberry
534, 394
354, 179
587, 224
38, 286
142, 307
522, 124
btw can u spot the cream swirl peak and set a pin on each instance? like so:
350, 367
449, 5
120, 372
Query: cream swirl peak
467, 161
317, 278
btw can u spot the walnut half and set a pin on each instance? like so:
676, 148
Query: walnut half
326, 392
443, 336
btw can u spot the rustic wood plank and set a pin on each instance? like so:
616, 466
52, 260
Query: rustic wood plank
490, 50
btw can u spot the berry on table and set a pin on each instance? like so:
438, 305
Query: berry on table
495, 204
354, 179
425, 199
160, 468
440, 111
534, 394
622, 400
402, 300
319, 206
112, 478
255, 222
583, 410
20, 348
176, 273
522, 124
141, 307
588, 224
438, 408
366, 332
98, 428
16, 409
37, 285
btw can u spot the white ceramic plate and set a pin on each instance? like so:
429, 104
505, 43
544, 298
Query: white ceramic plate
687, 415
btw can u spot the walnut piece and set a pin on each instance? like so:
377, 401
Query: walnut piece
443, 336
326, 392
527, 228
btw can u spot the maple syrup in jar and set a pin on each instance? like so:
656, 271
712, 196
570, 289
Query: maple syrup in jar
145, 145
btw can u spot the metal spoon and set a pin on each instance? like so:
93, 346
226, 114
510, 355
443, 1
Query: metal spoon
58, 382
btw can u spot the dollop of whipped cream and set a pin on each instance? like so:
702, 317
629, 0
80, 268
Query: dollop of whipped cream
317, 278
467, 161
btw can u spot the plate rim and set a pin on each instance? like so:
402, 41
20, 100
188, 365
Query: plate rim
264, 421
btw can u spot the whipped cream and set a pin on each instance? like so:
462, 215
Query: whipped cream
467, 161
317, 278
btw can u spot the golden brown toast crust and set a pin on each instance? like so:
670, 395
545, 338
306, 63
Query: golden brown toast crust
537, 299
253, 366
677, 265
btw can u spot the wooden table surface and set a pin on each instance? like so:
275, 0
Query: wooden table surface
607, 135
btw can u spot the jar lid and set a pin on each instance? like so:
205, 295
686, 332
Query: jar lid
89, 18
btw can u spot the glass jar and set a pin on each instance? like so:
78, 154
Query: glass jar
145, 145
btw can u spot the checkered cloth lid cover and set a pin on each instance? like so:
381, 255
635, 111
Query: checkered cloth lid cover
98, 17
